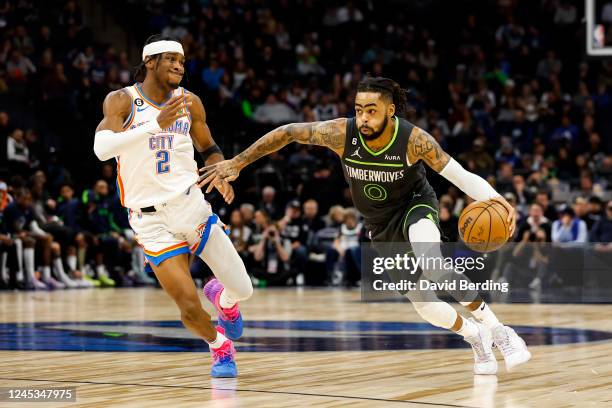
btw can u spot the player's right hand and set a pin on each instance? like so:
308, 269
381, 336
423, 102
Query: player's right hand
226, 170
176, 107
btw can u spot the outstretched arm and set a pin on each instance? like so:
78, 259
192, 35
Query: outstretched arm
329, 133
422, 146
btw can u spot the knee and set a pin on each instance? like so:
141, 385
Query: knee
247, 290
438, 313
244, 289
80, 241
424, 230
29, 242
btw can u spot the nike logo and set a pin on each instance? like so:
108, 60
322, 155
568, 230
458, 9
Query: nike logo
482, 307
141, 109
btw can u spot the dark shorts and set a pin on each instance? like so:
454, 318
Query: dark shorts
423, 205
391, 238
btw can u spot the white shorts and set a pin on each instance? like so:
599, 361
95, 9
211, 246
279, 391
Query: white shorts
179, 226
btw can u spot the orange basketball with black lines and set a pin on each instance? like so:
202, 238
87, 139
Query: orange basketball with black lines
483, 226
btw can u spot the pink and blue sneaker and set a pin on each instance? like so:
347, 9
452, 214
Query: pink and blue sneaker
230, 319
223, 365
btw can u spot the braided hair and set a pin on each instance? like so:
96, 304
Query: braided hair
389, 89
140, 70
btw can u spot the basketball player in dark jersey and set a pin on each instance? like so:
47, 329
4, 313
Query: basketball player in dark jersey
382, 157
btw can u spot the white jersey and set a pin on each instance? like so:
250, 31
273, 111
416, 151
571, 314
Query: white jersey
159, 167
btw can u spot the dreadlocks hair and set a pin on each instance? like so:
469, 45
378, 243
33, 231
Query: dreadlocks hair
140, 70
389, 89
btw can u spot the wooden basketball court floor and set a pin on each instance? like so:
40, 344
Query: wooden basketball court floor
332, 351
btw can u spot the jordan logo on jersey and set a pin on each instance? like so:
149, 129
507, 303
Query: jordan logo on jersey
356, 153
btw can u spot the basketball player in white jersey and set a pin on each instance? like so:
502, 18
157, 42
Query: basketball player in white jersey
150, 128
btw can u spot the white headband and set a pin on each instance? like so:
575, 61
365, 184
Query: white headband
158, 47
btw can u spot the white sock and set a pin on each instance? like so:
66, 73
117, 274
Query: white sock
19, 247
28, 262
218, 341
137, 260
225, 300
60, 273
46, 273
4, 270
468, 328
485, 315
101, 271
71, 260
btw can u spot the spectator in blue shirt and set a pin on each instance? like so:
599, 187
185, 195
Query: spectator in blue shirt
212, 75
569, 228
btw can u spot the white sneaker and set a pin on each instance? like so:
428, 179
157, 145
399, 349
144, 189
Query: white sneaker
54, 284
512, 347
39, 285
482, 346
84, 283
70, 283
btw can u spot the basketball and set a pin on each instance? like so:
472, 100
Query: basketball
483, 227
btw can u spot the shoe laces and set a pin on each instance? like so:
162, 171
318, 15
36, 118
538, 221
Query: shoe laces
224, 353
478, 347
231, 313
504, 344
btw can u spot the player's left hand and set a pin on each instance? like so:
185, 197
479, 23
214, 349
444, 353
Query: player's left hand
511, 220
226, 170
226, 190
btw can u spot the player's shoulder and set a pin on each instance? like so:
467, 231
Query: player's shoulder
194, 97
415, 131
406, 124
197, 109
118, 100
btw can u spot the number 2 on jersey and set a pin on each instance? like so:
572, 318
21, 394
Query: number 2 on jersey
163, 156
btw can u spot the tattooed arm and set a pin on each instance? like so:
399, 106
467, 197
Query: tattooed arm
422, 146
331, 134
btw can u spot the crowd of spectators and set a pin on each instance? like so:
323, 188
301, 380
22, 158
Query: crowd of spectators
504, 86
